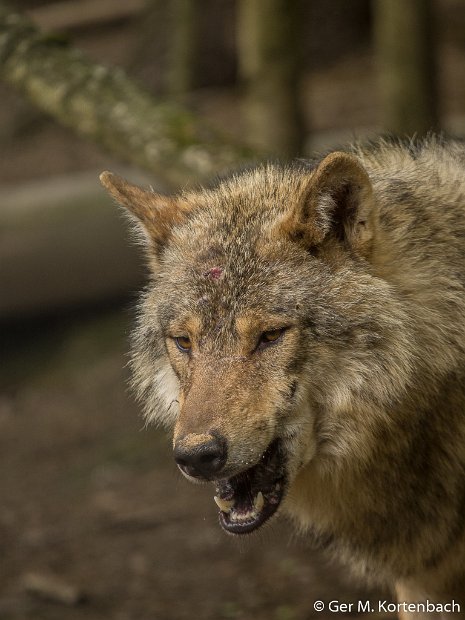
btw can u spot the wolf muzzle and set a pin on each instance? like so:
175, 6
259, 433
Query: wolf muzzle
201, 455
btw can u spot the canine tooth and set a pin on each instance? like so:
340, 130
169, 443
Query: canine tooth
258, 502
223, 504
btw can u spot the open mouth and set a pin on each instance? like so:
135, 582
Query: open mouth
249, 499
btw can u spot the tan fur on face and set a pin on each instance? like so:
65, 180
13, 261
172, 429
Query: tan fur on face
215, 403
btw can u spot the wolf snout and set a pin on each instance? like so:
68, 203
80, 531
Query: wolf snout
201, 456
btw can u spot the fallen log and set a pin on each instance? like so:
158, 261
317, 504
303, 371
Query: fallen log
63, 244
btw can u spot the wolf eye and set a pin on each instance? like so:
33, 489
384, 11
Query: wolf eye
270, 336
183, 343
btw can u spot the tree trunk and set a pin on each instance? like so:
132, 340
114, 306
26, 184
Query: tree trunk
269, 65
182, 54
106, 106
405, 53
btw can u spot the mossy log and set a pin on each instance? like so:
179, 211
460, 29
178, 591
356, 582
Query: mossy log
105, 105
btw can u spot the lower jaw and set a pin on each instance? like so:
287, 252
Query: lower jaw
244, 525
249, 499
245, 519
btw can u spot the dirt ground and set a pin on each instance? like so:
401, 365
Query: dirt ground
95, 520
92, 500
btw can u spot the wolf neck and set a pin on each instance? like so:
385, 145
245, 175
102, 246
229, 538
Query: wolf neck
418, 253
374, 492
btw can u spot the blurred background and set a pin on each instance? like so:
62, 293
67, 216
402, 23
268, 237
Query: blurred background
95, 521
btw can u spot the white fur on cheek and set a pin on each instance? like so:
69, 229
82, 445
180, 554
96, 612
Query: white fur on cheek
166, 387
302, 425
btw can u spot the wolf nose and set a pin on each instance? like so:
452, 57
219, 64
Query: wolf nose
201, 456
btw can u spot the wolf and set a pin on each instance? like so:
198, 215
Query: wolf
303, 334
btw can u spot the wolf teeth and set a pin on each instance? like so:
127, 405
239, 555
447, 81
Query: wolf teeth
243, 516
223, 504
258, 502
227, 506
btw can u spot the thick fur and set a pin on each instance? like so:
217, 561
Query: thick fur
361, 257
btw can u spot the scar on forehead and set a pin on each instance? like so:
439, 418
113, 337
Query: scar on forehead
214, 273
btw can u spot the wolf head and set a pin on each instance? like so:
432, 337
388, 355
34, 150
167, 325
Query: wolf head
263, 324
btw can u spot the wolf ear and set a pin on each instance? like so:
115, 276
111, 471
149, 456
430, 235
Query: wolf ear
155, 213
338, 203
